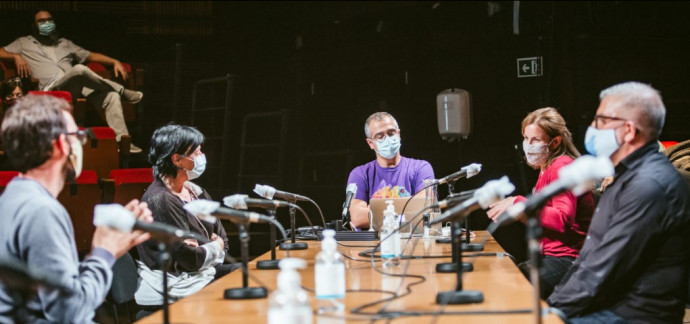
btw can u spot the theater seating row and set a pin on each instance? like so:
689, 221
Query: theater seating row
80, 198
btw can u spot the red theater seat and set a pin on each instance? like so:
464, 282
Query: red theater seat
80, 199
668, 144
101, 151
58, 94
130, 183
5, 178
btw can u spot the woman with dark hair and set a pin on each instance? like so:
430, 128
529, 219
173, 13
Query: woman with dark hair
176, 158
10, 91
548, 146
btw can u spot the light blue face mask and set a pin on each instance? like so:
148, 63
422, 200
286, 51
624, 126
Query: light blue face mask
199, 167
46, 28
601, 142
388, 147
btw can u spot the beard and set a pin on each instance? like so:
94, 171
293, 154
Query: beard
49, 40
68, 172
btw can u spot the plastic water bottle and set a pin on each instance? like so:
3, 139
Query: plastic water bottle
290, 303
329, 276
389, 253
396, 234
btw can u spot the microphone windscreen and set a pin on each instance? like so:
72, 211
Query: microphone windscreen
493, 191
237, 201
113, 215
202, 209
473, 169
265, 191
352, 187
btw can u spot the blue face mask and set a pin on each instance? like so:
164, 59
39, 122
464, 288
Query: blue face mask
601, 142
388, 147
46, 28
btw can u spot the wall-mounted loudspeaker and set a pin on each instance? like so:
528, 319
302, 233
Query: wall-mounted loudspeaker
454, 114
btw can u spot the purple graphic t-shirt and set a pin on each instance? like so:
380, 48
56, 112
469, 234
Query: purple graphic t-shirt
403, 180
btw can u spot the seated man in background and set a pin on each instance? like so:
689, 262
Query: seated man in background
44, 144
391, 175
57, 63
633, 267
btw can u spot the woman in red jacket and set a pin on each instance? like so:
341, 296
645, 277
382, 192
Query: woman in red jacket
548, 146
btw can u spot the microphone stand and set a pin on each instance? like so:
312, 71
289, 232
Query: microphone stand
457, 296
456, 264
245, 292
272, 263
466, 245
293, 245
534, 234
163, 259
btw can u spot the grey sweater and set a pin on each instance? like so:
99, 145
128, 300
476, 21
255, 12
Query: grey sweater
36, 229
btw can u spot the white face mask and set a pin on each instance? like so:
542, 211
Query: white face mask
76, 157
199, 167
536, 154
601, 142
388, 147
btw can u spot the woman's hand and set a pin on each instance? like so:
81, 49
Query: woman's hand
496, 209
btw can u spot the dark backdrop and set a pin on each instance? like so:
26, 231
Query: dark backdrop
331, 64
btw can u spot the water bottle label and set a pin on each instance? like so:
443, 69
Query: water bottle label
388, 247
290, 315
330, 281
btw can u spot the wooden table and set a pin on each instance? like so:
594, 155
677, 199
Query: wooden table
497, 277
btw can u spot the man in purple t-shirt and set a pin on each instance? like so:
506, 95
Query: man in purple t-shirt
390, 175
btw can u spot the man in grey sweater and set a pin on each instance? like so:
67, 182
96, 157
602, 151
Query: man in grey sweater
42, 141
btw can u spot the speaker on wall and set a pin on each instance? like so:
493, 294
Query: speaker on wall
454, 114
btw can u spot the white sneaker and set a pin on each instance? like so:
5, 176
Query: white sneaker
133, 149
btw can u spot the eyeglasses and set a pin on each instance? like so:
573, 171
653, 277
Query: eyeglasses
42, 20
598, 117
388, 133
11, 96
81, 136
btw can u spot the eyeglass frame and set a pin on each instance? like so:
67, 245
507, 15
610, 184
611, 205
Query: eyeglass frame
595, 121
388, 133
81, 135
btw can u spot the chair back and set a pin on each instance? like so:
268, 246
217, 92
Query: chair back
79, 200
101, 151
5, 178
130, 183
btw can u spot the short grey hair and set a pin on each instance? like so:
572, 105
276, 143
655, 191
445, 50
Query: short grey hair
645, 100
381, 115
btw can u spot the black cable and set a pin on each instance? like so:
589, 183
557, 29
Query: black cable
364, 246
319, 209
311, 225
362, 260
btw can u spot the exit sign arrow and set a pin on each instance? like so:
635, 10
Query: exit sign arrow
529, 67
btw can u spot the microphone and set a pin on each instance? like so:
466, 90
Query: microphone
465, 172
351, 191
118, 217
578, 177
455, 199
269, 192
489, 193
239, 201
208, 210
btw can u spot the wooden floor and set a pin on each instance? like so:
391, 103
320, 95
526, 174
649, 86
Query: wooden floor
497, 277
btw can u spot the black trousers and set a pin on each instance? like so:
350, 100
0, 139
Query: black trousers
552, 271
